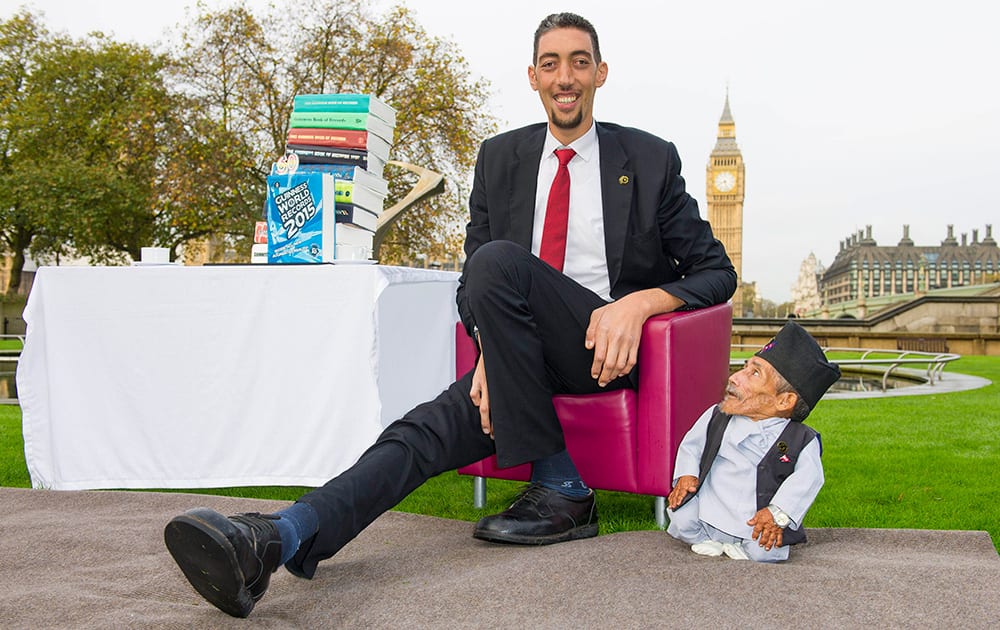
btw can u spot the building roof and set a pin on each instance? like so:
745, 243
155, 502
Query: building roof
726, 143
727, 116
859, 249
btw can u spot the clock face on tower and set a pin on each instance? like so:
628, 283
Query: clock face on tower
725, 181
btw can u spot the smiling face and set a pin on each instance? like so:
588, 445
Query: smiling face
566, 76
753, 392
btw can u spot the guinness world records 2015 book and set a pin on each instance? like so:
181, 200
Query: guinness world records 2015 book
301, 218
305, 223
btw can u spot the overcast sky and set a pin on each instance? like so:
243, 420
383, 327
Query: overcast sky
848, 113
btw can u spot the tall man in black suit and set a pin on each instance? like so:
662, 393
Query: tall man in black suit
549, 319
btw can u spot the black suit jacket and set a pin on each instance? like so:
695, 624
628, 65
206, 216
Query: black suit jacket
654, 235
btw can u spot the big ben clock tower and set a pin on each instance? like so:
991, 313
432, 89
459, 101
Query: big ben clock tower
724, 197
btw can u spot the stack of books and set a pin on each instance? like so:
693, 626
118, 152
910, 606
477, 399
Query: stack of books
353, 129
326, 194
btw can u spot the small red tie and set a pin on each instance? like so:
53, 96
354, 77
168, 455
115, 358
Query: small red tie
553, 249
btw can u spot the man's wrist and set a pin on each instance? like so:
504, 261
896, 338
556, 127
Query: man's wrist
657, 301
781, 519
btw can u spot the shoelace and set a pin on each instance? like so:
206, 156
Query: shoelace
257, 523
259, 528
532, 494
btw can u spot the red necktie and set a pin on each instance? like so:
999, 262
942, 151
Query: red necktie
553, 249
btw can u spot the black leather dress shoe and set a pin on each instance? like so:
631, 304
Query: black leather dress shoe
229, 561
540, 516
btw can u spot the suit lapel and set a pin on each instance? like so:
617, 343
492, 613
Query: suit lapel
524, 181
617, 182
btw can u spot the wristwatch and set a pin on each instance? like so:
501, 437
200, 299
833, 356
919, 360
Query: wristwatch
780, 518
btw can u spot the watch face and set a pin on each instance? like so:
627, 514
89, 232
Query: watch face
725, 181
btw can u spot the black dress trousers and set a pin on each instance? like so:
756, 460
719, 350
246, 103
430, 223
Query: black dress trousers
532, 321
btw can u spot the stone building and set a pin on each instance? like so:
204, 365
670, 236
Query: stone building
805, 291
863, 269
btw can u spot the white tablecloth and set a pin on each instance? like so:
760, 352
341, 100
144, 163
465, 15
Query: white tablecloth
195, 377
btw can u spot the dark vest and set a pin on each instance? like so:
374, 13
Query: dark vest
771, 470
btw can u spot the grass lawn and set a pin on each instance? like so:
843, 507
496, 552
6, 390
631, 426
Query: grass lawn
914, 462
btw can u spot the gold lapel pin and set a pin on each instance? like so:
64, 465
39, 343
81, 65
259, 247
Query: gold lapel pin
782, 447
623, 180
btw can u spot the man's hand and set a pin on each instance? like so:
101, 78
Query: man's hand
615, 330
765, 531
686, 484
481, 396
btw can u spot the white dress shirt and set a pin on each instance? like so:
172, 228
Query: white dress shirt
586, 259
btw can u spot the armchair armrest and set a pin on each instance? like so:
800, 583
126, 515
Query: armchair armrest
683, 368
466, 352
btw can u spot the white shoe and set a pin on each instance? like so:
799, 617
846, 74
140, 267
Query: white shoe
735, 552
708, 548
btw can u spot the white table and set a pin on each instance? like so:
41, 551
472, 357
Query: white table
196, 377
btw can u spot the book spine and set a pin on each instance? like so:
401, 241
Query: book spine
343, 191
316, 164
358, 103
342, 121
348, 138
331, 103
341, 172
329, 155
360, 176
328, 120
347, 191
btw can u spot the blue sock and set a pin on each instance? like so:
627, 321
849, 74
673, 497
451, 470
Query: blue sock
296, 523
558, 472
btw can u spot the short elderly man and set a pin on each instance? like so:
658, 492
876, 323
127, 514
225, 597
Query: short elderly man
748, 470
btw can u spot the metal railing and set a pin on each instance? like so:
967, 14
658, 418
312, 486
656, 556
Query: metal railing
18, 337
933, 362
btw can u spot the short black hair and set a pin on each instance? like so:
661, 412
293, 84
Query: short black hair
567, 20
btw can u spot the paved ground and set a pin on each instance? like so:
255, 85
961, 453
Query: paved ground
97, 560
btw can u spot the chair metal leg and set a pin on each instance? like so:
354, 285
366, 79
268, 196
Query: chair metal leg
479, 492
660, 510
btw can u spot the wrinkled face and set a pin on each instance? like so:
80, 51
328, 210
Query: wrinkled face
566, 77
752, 392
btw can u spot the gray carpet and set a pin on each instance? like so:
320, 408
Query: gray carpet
97, 560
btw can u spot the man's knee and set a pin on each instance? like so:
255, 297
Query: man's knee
443, 433
758, 554
685, 524
495, 259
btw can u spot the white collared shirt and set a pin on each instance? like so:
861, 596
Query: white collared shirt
586, 259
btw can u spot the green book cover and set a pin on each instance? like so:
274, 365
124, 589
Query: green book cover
341, 120
330, 120
364, 103
361, 196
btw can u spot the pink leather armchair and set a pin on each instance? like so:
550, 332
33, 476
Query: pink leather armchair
626, 440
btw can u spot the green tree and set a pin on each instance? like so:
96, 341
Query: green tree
244, 70
96, 113
20, 40
100, 156
106, 147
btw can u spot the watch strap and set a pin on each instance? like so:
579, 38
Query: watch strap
779, 516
